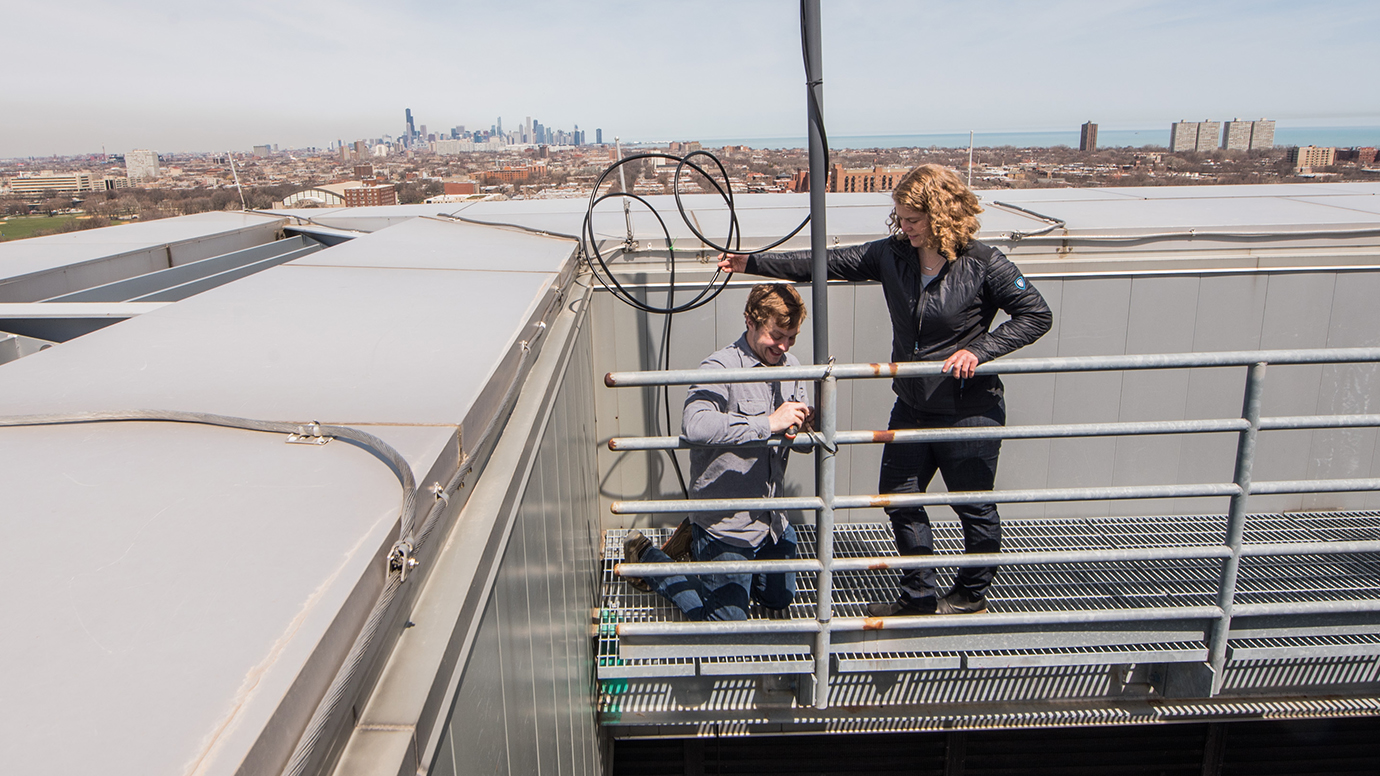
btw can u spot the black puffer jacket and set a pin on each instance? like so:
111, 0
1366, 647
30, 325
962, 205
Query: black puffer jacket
931, 324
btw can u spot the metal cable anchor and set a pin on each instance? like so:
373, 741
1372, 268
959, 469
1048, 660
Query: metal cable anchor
309, 434
401, 559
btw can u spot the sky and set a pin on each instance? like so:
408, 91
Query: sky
178, 76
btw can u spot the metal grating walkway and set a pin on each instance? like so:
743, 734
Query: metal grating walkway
1053, 588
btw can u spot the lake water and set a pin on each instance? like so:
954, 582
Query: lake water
1340, 137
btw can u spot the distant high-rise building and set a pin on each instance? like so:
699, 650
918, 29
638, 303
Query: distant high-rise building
498, 128
1236, 135
1183, 136
1308, 157
142, 165
1087, 138
598, 136
1262, 134
1208, 134
263, 150
1194, 135
410, 131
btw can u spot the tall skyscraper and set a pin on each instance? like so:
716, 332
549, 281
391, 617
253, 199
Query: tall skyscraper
1087, 138
1208, 134
599, 135
1236, 135
141, 165
1194, 135
411, 131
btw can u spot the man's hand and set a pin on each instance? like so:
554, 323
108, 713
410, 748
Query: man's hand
963, 363
732, 262
791, 413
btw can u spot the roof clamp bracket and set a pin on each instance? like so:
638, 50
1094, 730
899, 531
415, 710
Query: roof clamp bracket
401, 559
309, 434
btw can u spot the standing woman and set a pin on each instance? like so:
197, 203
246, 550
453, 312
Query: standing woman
943, 289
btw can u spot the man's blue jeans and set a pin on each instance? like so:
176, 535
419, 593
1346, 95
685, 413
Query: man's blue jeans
726, 596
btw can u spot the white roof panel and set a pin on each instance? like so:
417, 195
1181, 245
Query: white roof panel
185, 574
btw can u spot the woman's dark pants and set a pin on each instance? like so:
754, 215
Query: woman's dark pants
908, 468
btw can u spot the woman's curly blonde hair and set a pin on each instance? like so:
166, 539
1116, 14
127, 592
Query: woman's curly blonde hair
951, 206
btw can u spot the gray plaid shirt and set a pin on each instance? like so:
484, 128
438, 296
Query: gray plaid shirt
736, 413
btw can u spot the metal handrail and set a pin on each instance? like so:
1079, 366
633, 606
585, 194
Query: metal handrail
1001, 366
1229, 552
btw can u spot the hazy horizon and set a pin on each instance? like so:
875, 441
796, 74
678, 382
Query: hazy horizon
181, 78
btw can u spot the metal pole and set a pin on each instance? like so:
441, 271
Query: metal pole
628, 244
819, 288
970, 158
824, 535
1236, 523
819, 179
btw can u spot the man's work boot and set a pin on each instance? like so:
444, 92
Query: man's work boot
633, 546
678, 546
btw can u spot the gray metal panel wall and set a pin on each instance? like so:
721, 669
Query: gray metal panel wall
1094, 315
525, 703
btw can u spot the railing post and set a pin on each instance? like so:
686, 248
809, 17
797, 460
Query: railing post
1236, 523
824, 534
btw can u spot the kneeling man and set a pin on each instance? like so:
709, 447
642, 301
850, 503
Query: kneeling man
736, 414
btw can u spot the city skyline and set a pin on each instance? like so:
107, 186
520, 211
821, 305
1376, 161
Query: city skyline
301, 74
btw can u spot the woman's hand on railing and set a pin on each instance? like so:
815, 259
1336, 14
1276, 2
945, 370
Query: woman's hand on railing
961, 364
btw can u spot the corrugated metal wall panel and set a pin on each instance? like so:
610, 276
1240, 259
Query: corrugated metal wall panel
525, 703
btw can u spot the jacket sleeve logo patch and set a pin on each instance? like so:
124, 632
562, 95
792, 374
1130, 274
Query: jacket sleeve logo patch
1020, 282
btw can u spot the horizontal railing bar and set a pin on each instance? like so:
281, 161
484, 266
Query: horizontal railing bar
692, 568
907, 436
1306, 607
717, 628
945, 560
999, 366
1038, 495
1047, 431
918, 622
1308, 548
677, 506
1313, 486
1318, 421
978, 560
681, 506
1002, 619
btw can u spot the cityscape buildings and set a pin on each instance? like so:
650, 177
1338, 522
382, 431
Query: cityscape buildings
1087, 138
1308, 157
1235, 135
141, 165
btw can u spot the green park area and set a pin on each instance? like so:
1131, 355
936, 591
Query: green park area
19, 227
